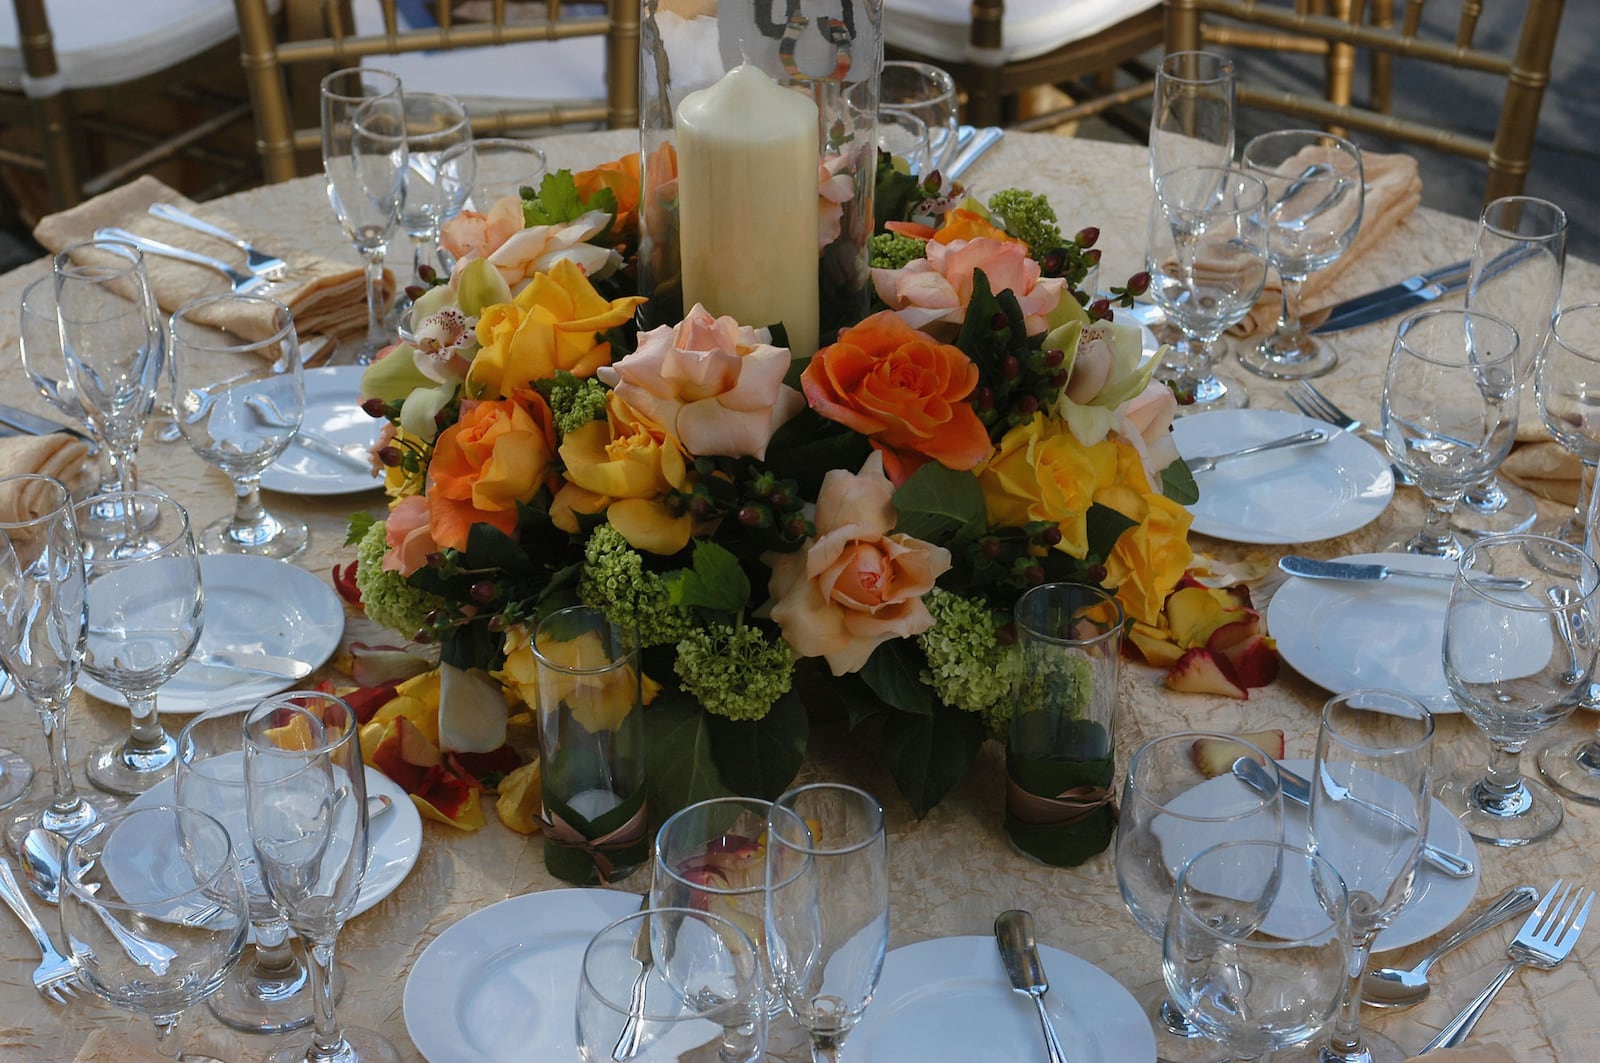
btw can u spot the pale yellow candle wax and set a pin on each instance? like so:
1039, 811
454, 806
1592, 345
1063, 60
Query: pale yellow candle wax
747, 203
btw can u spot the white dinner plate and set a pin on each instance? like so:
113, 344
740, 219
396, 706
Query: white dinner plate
394, 839
948, 999
1297, 495
253, 605
333, 412
1434, 905
502, 983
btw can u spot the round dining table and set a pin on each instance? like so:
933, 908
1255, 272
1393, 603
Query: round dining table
951, 871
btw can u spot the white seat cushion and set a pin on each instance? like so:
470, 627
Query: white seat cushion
109, 42
941, 28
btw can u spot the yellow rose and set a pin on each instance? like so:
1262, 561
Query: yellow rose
552, 324
598, 697
624, 466
1148, 560
1041, 472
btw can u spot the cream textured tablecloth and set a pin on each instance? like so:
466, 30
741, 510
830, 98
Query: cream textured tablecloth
953, 871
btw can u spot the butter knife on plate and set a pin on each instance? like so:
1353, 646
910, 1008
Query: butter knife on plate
1311, 568
1395, 299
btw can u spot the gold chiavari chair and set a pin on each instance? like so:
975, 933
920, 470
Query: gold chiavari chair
324, 36
1524, 71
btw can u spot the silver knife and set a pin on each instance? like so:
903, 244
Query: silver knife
1310, 437
255, 663
1396, 298
1311, 568
34, 425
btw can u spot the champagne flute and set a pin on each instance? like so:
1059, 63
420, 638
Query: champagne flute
1517, 266
827, 916
145, 611
1517, 662
239, 403
165, 877
1314, 188
364, 162
1369, 818
436, 126
307, 794
46, 369
1191, 117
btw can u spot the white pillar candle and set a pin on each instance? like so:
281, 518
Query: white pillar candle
747, 203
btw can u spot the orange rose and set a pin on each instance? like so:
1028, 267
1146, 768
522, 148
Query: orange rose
496, 455
904, 391
622, 177
969, 225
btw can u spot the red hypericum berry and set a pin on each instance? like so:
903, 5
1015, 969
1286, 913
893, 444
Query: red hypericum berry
1050, 537
749, 516
1007, 635
427, 273
1087, 236
1028, 405
432, 617
1058, 379
1034, 574
700, 509
1100, 308
795, 528
1010, 368
1096, 573
497, 623
984, 397
423, 637
414, 291
1139, 283
435, 558
998, 320
373, 407
992, 549
1053, 262
484, 591
391, 456
779, 499
1054, 357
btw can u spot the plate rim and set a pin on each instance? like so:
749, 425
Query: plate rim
284, 482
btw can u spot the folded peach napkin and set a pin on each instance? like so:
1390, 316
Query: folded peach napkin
1489, 1053
326, 297
1393, 192
59, 455
1546, 468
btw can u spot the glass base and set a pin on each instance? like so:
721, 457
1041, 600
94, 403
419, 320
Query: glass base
360, 1046
1212, 392
1570, 532
1450, 550
93, 808
1316, 359
1530, 814
1177, 1039
1572, 768
120, 769
15, 776
1376, 1048
273, 538
258, 1001
1498, 508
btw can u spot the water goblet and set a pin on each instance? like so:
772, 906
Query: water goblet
364, 162
1172, 809
436, 125
166, 878
239, 403
1517, 266
827, 916
307, 804
1517, 662
1315, 197
1449, 412
145, 610
1191, 117
905, 136
270, 990
697, 983
1257, 945
1206, 252
929, 93
1369, 818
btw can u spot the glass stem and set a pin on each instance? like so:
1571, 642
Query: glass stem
64, 800
1289, 312
1591, 511
373, 258
1435, 534
146, 733
274, 955
108, 470
1504, 777
128, 468
247, 509
169, 1042
327, 1043
1344, 1043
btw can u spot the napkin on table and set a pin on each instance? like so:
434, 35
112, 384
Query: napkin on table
59, 455
1485, 1053
1393, 192
326, 297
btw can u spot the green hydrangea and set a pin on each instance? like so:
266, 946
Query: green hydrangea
734, 672
386, 596
615, 583
1062, 683
576, 402
894, 250
1029, 217
967, 666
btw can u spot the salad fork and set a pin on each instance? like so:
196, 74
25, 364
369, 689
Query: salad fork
256, 261
1313, 403
55, 978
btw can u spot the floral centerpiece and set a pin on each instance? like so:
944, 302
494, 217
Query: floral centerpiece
858, 524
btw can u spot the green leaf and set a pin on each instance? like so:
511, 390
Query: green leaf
715, 582
940, 505
929, 755
1177, 483
1105, 526
361, 522
808, 445
892, 672
679, 768
489, 547
760, 758
896, 195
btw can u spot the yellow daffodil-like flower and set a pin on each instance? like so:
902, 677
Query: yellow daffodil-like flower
624, 467
554, 323
1041, 472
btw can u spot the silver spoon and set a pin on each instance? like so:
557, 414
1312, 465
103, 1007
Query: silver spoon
43, 853
1389, 987
1013, 932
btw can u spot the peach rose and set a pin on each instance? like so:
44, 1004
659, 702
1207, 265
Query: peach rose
716, 385
904, 391
624, 467
836, 186
477, 234
932, 293
855, 585
1147, 425
408, 536
1041, 472
496, 455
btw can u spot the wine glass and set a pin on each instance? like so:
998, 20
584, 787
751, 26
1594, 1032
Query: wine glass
1518, 660
1449, 412
489, 168
1369, 818
307, 794
1517, 267
905, 136
1257, 945
1171, 809
46, 368
239, 402
111, 345
145, 611
1315, 197
271, 991
163, 879
1206, 253
1191, 117
436, 124
42, 632
929, 93
827, 917
664, 981
364, 162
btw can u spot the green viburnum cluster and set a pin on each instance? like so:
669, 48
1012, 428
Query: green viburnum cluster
386, 596
1063, 684
894, 250
615, 583
735, 672
967, 665
1029, 217
576, 402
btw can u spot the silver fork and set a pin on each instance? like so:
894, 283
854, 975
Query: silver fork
1543, 942
243, 282
55, 978
256, 261
1313, 403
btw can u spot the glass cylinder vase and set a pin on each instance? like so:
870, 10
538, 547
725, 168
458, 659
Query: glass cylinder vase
758, 152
